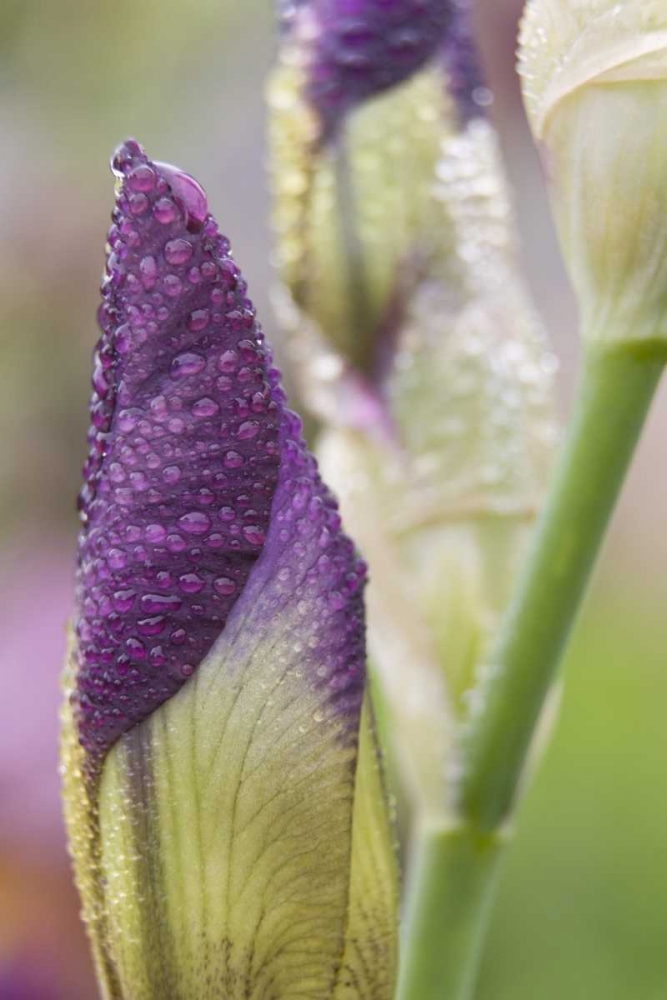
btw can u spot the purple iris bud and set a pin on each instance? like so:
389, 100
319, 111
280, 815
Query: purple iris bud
196, 472
360, 48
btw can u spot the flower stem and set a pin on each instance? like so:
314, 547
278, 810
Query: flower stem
615, 393
449, 902
455, 869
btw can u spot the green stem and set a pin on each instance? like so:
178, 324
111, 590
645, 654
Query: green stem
455, 870
449, 903
615, 393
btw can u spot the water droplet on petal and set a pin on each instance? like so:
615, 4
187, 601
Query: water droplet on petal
194, 523
154, 603
188, 192
199, 320
165, 211
191, 583
254, 534
151, 626
171, 474
248, 429
178, 251
155, 533
205, 407
187, 364
142, 178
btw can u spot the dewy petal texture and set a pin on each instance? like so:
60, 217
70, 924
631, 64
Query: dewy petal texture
222, 792
184, 453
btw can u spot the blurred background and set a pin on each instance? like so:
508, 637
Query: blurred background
582, 913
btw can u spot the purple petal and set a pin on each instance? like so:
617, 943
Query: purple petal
306, 593
359, 48
195, 466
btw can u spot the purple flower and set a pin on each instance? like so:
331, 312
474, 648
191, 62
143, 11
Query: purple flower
216, 750
196, 467
356, 49
353, 206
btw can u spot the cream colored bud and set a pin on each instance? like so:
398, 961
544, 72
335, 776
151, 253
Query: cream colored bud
595, 85
443, 502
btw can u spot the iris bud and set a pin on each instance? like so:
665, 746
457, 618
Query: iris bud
595, 86
223, 799
354, 139
439, 439
443, 491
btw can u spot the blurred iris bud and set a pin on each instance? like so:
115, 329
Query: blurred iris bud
224, 805
595, 86
439, 440
352, 50
355, 230
354, 137
442, 495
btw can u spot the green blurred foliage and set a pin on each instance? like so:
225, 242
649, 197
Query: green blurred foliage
582, 913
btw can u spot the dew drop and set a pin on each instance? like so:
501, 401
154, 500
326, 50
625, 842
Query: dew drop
165, 211
151, 626
205, 407
137, 204
142, 178
186, 189
157, 656
248, 429
172, 285
199, 320
135, 648
228, 362
195, 523
191, 583
116, 559
158, 603
187, 364
233, 460
123, 600
254, 534
171, 474
178, 251
155, 533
